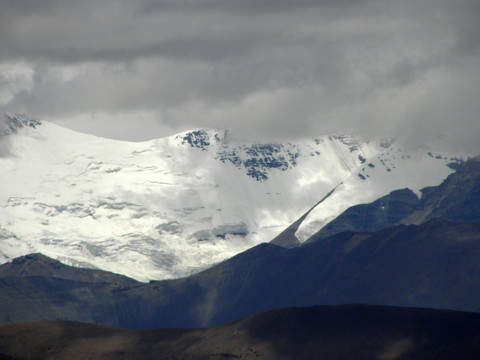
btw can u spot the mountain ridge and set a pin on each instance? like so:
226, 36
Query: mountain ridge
429, 265
170, 207
456, 199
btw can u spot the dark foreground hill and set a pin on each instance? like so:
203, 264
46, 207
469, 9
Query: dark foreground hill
432, 265
336, 332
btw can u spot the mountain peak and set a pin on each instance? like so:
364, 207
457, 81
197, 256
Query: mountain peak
11, 123
30, 265
36, 257
37, 264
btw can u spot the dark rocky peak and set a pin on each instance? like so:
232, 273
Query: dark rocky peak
454, 163
35, 257
382, 213
456, 199
200, 139
40, 265
31, 265
10, 124
256, 159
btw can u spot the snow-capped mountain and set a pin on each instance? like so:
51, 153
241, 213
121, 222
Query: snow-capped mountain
172, 206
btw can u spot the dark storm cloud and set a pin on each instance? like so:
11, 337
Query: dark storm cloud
263, 67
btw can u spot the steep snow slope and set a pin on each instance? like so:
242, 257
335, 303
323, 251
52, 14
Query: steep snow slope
169, 207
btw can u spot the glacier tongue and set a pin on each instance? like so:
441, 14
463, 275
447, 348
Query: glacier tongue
168, 207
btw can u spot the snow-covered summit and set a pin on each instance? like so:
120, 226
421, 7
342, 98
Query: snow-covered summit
171, 206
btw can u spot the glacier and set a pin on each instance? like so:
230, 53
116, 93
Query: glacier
170, 207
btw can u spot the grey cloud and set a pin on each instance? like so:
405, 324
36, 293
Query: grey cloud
4, 146
261, 68
28, 7
247, 6
72, 31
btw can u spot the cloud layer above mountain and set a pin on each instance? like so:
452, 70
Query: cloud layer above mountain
263, 68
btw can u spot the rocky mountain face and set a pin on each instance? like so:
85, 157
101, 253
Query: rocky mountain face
336, 332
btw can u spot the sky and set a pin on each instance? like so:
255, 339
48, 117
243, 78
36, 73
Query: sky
265, 69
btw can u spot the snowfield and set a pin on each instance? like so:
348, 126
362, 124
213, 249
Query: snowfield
169, 207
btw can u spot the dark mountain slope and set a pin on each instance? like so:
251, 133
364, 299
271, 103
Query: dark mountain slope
380, 214
36, 287
339, 332
431, 265
456, 199
41, 265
